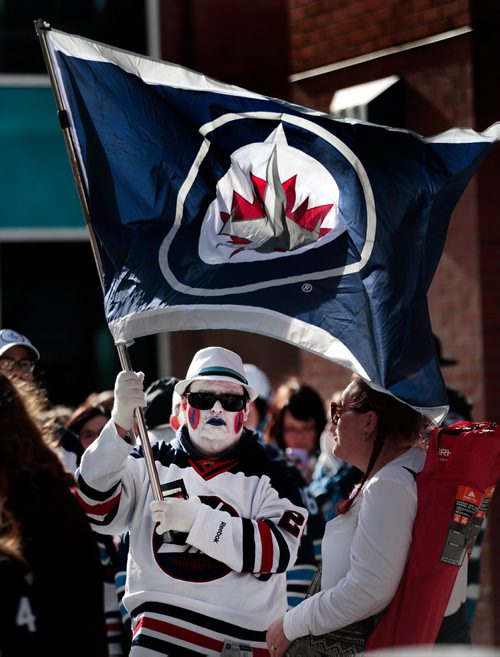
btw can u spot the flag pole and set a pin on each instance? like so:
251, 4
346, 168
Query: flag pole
41, 28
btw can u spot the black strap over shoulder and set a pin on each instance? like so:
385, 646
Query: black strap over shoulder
412, 472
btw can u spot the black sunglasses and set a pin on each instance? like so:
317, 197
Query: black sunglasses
204, 401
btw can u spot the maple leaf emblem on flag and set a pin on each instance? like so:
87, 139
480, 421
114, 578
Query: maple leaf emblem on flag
272, 207
273, 200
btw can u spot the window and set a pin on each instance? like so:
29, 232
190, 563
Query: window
120, 23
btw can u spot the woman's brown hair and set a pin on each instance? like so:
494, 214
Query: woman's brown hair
10, 535
396, 422
25, 447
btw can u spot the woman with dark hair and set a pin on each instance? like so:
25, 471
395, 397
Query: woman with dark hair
18, 621
87, 422
365, 547
55, 538
296, 421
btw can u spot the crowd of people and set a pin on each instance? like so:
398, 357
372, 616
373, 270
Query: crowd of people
263, 488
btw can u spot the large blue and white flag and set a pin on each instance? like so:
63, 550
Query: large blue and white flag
217, 207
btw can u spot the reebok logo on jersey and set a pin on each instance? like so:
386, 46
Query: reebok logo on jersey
219, 532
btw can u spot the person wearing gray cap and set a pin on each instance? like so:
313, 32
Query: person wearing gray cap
206, 570
17, 355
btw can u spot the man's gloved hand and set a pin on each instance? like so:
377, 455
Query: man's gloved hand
129, 394
175, 514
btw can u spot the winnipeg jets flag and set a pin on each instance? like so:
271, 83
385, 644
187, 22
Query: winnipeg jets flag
216, 207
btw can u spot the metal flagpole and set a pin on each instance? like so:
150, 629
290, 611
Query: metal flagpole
41, 28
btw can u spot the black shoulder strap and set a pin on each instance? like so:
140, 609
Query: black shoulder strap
412, 472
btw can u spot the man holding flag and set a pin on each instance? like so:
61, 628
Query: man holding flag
206, 567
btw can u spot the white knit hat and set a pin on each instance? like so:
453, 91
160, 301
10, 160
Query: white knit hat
216, 364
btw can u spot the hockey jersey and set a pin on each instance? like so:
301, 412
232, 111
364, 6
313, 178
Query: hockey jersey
224, 582
19, 635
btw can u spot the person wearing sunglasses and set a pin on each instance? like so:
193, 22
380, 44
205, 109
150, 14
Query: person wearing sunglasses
365, 547
17, 355
206, 569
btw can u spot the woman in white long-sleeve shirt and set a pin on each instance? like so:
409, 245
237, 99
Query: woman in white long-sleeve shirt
365, 548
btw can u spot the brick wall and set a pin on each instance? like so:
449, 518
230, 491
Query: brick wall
243, 43
326, 31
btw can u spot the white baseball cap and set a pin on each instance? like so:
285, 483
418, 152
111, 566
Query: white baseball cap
216, 364
10, 338
259, 382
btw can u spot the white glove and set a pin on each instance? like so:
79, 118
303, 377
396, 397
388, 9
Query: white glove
129, 394
175, 514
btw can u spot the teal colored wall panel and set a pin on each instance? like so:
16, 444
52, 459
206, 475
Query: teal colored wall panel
37, 187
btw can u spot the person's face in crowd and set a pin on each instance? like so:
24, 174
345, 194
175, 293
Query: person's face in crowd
217, 426
352, 431
18, 362
299, 434
91, 430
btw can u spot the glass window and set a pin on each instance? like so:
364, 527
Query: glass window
120, 23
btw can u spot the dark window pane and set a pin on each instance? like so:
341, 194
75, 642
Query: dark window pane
119, 23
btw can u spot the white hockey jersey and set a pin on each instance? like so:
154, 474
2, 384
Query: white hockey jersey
225, 580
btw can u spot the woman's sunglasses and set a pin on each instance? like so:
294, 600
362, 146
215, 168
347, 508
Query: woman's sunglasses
337, 410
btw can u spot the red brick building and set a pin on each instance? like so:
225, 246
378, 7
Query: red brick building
444, 54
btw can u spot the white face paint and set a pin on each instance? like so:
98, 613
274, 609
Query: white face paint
214, 431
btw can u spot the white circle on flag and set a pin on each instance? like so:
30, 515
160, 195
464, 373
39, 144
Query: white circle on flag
274, 201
